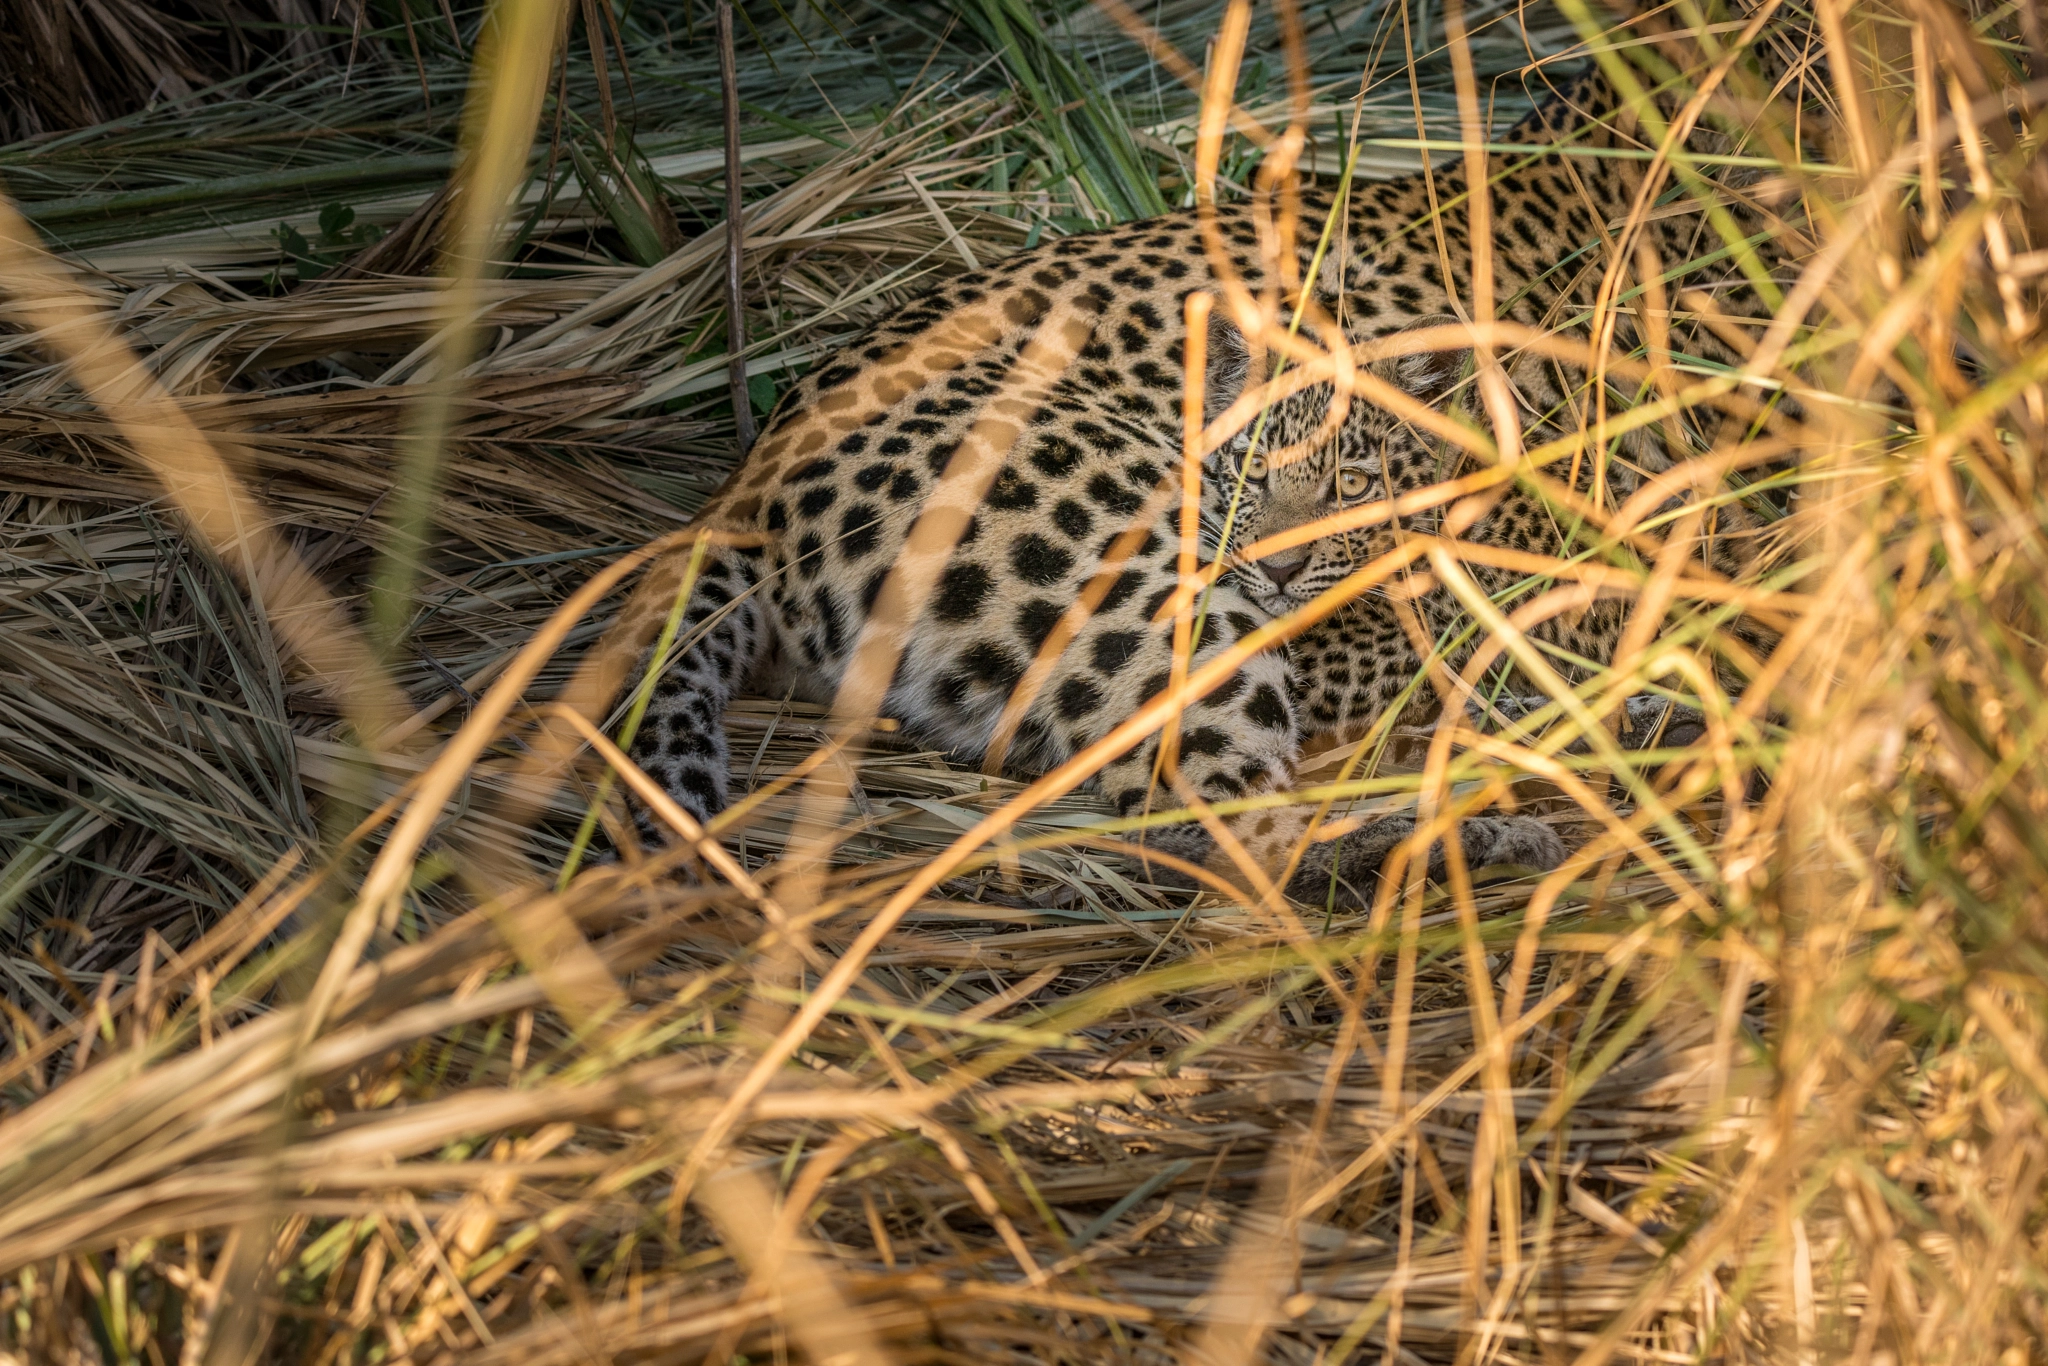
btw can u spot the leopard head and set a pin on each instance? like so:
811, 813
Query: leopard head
1297, 462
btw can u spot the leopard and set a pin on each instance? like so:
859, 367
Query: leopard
998, 464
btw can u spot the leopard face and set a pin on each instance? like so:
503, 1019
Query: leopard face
1306, 457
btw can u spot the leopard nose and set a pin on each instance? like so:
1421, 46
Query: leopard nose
1283, 568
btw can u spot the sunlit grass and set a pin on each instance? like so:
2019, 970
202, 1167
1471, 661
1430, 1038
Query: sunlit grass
329, 1040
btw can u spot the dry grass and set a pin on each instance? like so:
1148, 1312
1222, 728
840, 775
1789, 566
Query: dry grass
65, 66
311, 1055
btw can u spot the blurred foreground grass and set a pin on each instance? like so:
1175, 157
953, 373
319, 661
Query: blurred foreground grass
1786, 1103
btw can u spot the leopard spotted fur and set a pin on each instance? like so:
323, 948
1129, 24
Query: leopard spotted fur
1037, 405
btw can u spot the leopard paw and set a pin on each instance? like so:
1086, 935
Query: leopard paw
1519, 840
1653, 721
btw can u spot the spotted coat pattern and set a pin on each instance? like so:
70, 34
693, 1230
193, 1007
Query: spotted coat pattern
1031, 410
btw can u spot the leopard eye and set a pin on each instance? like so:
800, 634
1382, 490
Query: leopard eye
1352, 482
1255, 466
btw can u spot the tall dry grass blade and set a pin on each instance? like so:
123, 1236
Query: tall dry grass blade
513, 62
813, 1307
39, 292
735, 234
377, 900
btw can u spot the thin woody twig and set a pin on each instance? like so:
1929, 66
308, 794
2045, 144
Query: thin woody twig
735, 233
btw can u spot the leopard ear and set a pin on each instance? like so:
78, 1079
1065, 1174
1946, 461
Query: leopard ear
1429, 375
1229, 366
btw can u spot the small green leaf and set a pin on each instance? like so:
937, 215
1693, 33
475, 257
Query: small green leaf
761, 392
